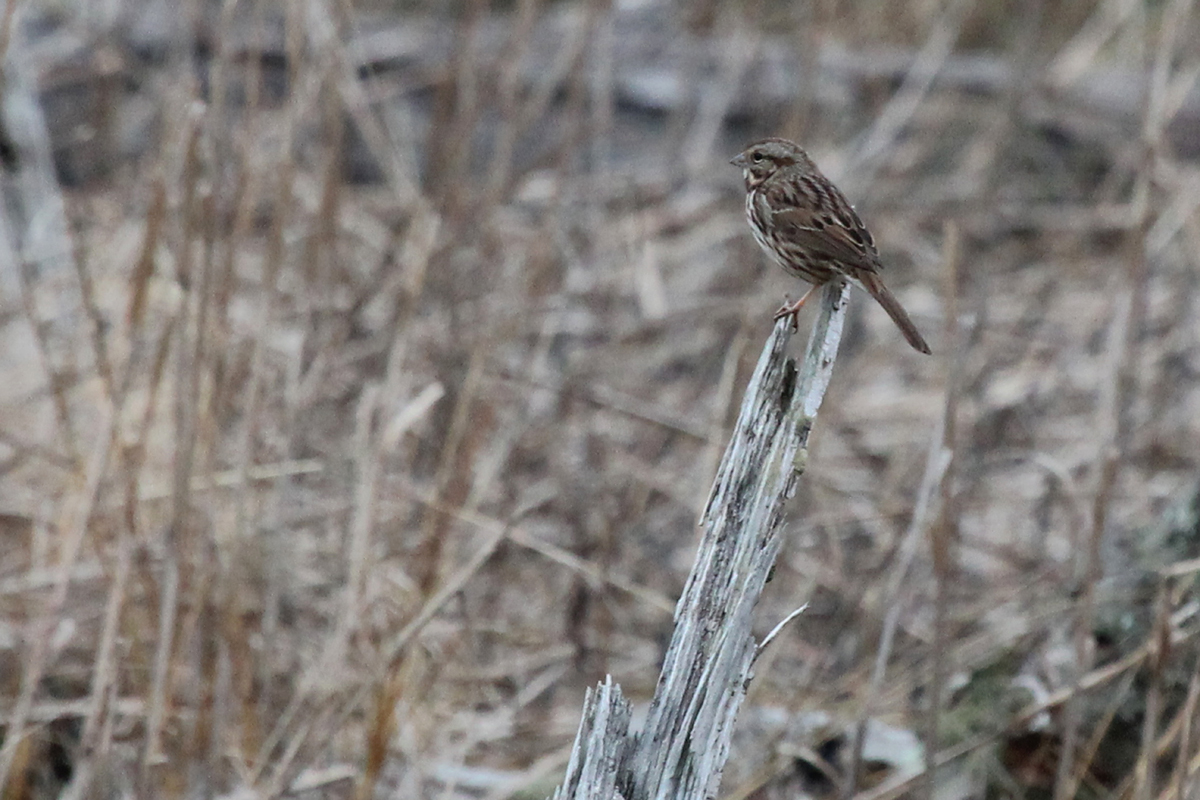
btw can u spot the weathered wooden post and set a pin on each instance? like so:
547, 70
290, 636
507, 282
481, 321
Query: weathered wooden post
682, 748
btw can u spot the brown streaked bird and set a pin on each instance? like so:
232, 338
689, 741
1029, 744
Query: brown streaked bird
806, 225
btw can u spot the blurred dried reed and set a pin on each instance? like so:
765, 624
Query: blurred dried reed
366, 366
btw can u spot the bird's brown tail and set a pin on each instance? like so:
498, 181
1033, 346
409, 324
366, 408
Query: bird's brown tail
873, 284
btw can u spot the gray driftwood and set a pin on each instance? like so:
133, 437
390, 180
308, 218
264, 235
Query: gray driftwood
683, 745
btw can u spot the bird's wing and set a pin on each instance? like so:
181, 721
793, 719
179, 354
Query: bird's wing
836, 236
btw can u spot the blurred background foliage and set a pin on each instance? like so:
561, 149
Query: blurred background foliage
366, 365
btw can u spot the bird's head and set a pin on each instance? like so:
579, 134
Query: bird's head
762, 159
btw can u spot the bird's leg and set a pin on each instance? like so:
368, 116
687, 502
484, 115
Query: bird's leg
793, 309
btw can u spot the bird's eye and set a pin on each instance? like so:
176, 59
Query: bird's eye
756, 157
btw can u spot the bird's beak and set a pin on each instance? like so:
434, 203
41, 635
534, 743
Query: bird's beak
739, 160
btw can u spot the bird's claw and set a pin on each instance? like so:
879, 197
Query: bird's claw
788, 310
793, 309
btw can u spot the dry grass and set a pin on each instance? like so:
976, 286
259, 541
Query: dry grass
365, 371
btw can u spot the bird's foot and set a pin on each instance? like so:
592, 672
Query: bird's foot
793, 309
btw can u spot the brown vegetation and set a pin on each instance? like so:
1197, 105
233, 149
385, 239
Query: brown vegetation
365, 372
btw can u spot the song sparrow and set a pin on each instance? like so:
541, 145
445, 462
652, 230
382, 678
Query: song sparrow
807, 226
